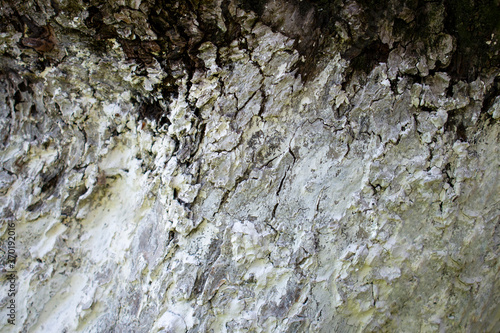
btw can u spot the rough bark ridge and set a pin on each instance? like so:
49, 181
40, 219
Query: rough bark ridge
251, 166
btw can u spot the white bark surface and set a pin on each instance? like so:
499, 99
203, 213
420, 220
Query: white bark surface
250, 199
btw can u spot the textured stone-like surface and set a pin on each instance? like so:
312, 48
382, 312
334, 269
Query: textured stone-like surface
250, 166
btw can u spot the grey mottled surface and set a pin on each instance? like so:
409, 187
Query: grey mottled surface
228, 167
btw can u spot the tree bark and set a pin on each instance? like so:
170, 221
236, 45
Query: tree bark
249, 166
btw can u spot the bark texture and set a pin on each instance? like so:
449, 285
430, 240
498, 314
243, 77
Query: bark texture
251, 166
